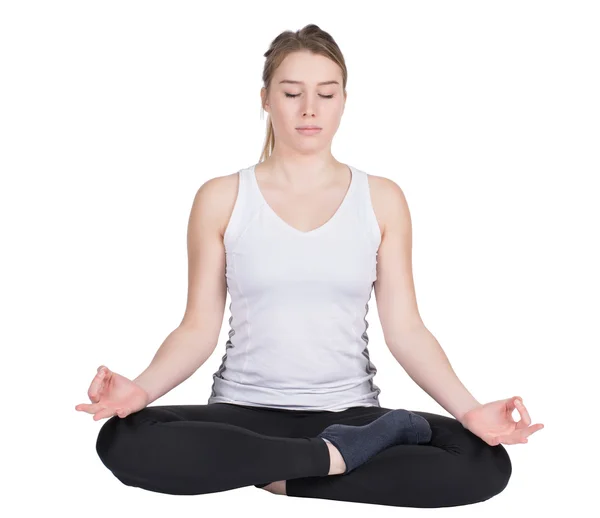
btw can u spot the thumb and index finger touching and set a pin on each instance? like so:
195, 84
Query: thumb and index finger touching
94, 392
524, 424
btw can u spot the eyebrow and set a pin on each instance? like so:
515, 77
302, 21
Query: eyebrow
302, 82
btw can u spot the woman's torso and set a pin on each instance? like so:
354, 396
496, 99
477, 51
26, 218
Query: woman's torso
300, 274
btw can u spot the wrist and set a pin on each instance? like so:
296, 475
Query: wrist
463, 416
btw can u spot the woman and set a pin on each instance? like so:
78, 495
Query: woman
300, 240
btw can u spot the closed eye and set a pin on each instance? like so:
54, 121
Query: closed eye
324, 96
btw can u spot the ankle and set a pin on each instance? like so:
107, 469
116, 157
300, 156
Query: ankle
278, 487
337, 465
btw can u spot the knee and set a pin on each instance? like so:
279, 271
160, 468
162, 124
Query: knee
118, 437
115, 441
107, 443
492, 470
502, 467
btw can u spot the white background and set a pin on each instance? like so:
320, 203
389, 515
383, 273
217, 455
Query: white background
114, 113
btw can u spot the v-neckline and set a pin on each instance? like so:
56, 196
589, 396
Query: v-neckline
314, 231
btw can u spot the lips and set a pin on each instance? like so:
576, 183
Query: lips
308, 127
308, 131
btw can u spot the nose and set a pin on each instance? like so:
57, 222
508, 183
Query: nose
308, 108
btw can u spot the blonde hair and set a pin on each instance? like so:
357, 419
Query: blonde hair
311, 38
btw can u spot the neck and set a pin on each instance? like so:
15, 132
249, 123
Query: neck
301, 171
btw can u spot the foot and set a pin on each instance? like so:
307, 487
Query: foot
357, 444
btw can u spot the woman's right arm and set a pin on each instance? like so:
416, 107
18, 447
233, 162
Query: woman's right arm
193, 342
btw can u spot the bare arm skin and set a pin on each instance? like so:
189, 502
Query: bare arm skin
406, 336
194, 340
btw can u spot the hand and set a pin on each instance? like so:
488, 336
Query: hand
493, 422
113, 394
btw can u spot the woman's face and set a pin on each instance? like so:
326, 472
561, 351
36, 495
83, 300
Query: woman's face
296, 99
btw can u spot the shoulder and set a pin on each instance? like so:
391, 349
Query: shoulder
388, 200
215, 199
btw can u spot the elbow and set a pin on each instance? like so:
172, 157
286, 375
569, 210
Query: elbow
406, 336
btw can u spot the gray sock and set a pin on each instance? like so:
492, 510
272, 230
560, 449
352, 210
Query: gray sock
358, 444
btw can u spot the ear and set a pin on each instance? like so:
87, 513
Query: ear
263, 99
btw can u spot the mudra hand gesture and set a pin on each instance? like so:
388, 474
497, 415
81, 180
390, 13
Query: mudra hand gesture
112, 394
493, 422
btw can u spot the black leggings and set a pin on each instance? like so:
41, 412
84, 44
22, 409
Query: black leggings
198, 449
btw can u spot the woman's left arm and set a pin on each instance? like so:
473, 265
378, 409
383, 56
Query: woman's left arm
424, 360
411, 343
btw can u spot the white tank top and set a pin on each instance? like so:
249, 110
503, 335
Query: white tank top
299, 301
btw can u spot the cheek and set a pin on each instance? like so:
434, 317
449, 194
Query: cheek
284, 116
331, 112
339, 109
333, 119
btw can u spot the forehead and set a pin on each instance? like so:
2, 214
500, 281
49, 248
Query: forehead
306, 68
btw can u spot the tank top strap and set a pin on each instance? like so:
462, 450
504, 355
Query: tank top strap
247, 205
364, 208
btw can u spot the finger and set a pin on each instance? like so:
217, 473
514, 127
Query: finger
510, 439
494, 441
90, 409
520, 436
122, 412
532, 429
511, 407
525, 419
96, 386
104, 413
